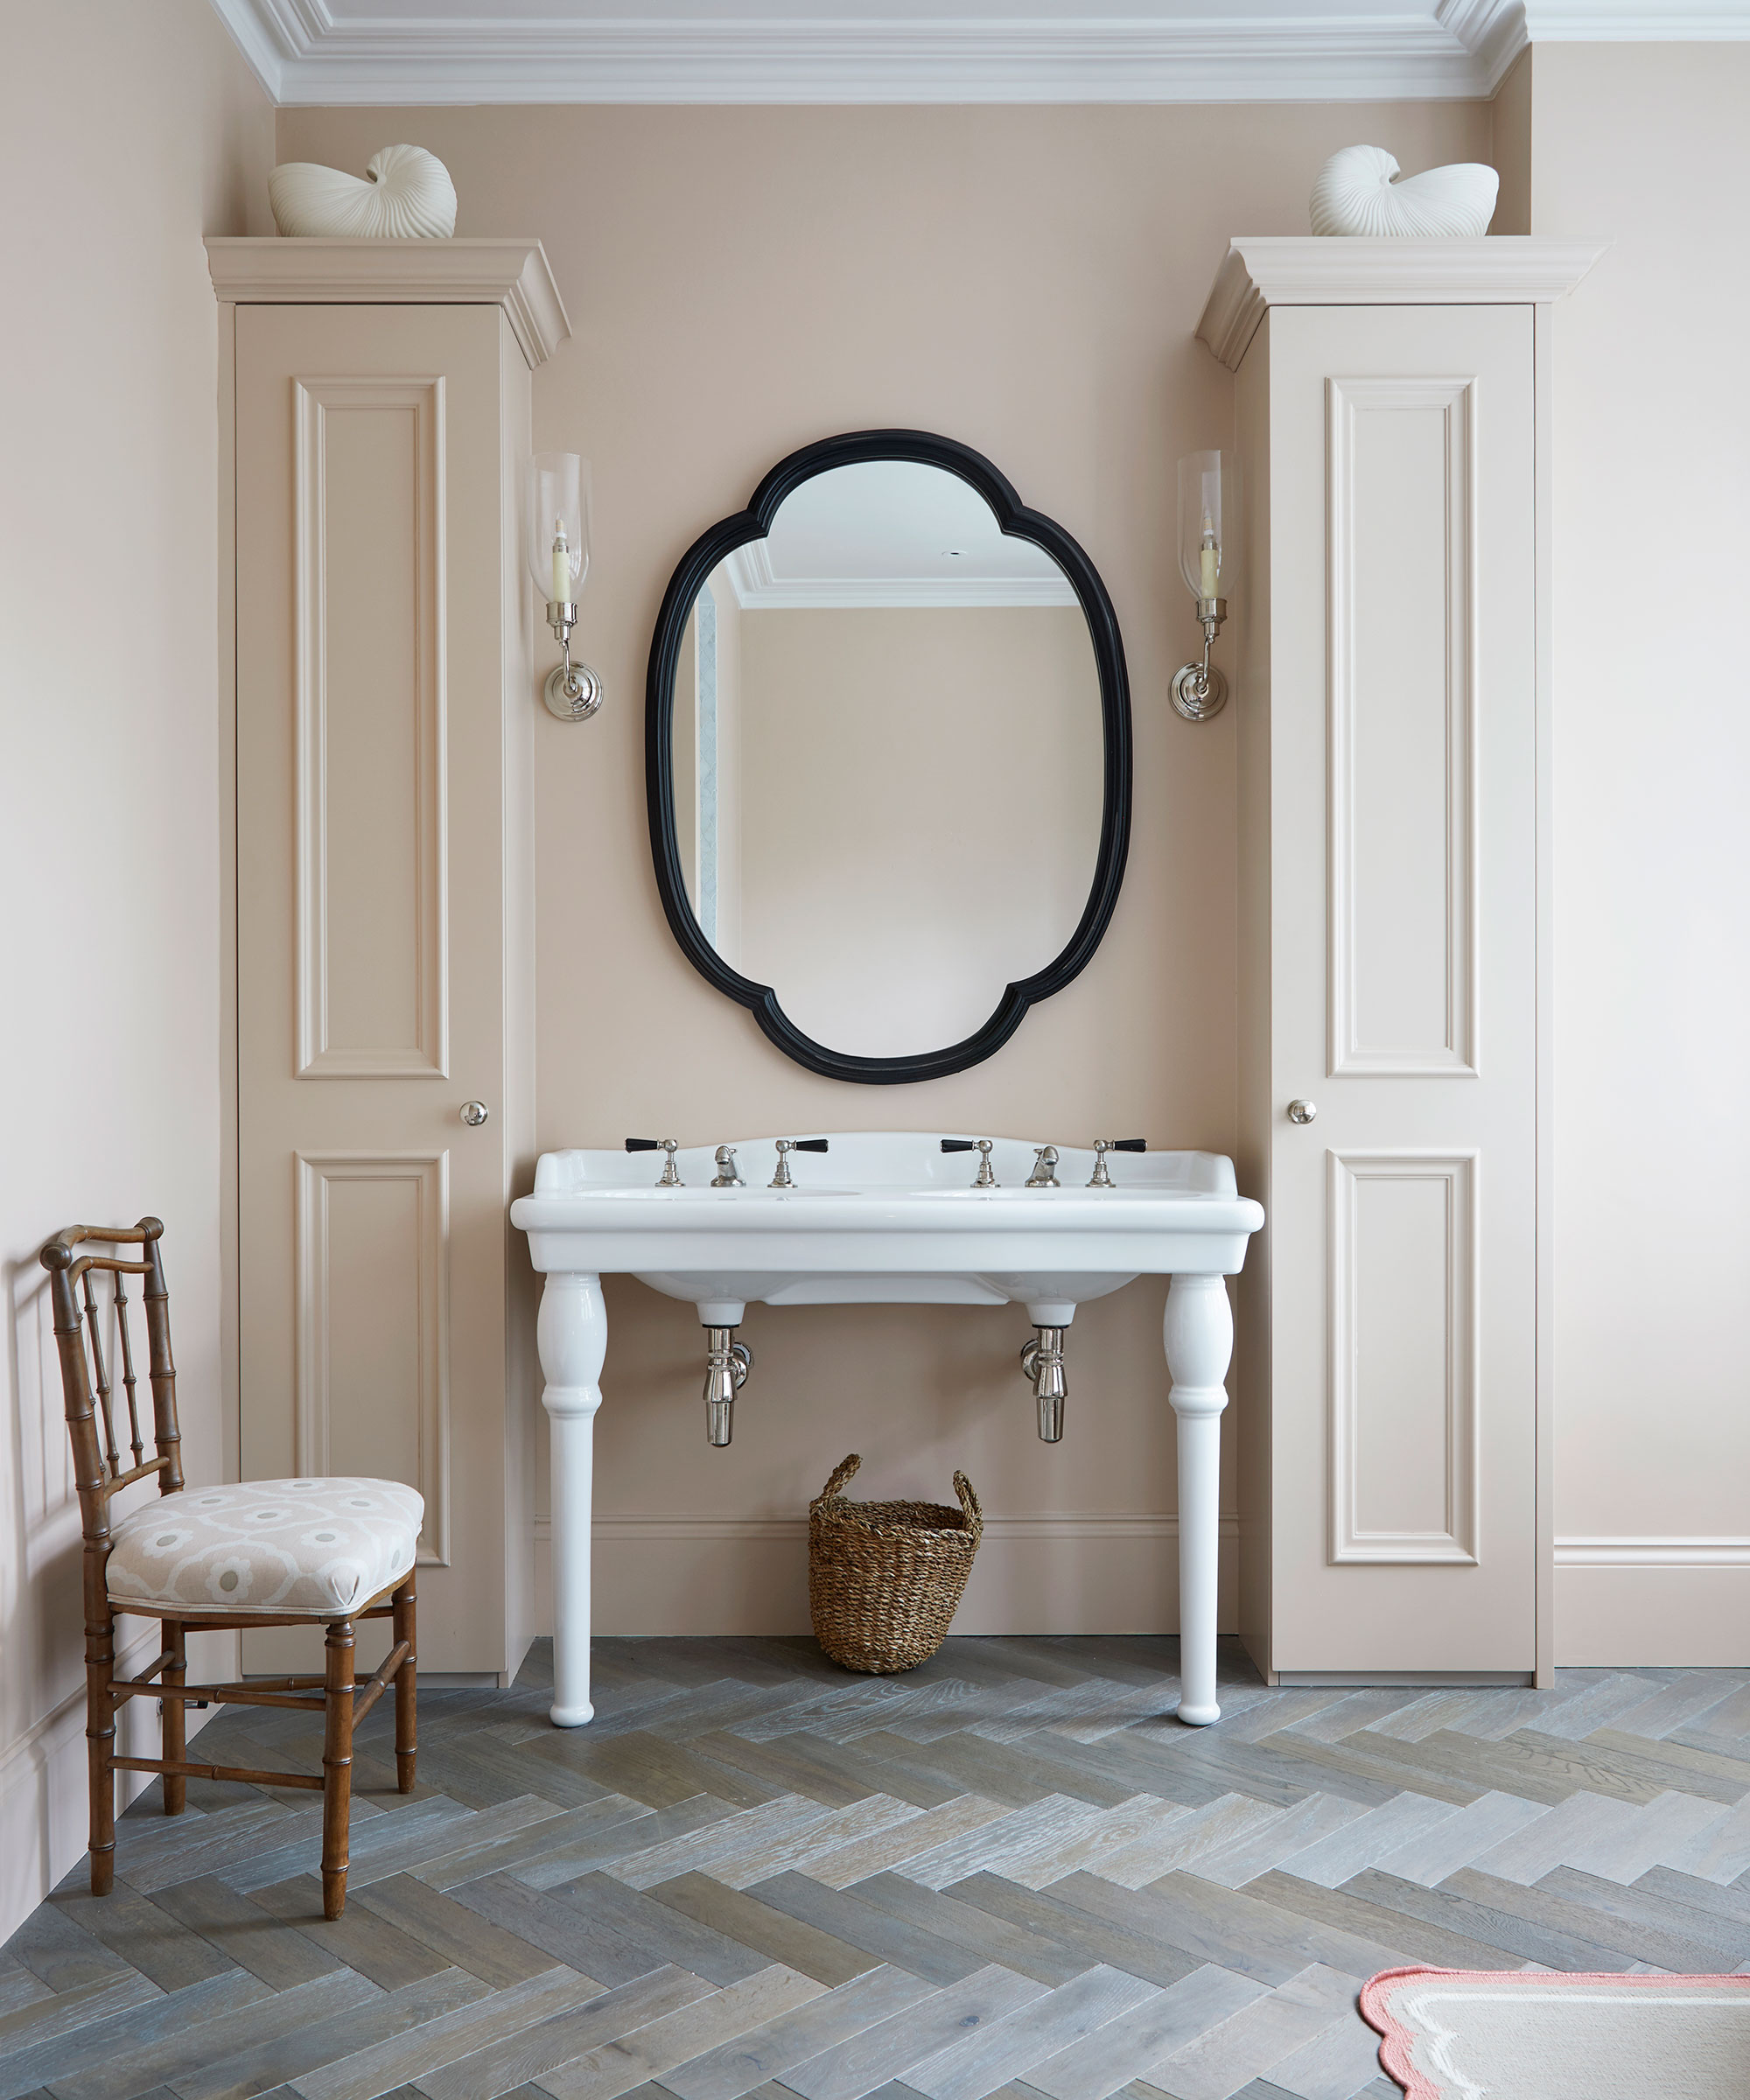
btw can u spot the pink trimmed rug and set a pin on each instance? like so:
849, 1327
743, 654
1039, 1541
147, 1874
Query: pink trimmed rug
1477, 2034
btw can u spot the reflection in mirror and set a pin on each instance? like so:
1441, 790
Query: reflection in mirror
888, 759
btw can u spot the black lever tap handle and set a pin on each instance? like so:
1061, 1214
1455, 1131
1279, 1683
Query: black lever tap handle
1130, 1145
960, 1145
644, 1144
810, 1144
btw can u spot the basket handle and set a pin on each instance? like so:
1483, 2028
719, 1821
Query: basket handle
839, 1475
969, 1504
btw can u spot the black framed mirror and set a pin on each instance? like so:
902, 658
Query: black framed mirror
887, 746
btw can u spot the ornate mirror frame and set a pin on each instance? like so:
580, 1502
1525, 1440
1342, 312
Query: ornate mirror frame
701, 558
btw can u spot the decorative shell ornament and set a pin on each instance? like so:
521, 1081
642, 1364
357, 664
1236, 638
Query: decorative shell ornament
1358, 192
406, 193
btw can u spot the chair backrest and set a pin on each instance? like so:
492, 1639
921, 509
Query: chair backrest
101, 1467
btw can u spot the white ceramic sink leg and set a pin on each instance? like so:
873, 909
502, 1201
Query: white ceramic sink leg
572, 1337
1199, 1334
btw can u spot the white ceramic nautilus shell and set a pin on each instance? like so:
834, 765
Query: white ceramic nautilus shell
405, 193
1356, 193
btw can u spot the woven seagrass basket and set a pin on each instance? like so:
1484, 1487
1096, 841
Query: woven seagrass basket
885, 1579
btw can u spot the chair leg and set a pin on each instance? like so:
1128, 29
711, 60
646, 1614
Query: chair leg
336, 1765
175, 1716
406, 1689
100, 1744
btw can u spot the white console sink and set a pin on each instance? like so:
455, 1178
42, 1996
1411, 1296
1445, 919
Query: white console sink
884, 1217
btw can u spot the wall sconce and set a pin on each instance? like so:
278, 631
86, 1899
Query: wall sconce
557, 536
1209, 556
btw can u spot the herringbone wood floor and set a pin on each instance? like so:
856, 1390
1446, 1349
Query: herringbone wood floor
1005, 1873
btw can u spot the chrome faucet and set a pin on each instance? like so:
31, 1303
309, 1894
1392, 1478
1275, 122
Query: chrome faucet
1045, 1168
670, 1177
981, 1146
1100, 1178
725, 1176
786, 1146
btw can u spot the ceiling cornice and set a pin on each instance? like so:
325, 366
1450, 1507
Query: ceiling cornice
1450, 50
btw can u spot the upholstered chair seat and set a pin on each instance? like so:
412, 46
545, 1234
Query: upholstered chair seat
325, 1547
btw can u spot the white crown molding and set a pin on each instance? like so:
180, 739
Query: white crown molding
1653, 1552
1451, 49
1611, 22
513, 275
1492, 270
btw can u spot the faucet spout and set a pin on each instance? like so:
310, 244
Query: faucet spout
1042, 1361
727, 1363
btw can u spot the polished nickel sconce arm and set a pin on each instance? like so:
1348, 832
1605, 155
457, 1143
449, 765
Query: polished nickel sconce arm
1199, 690
573, 691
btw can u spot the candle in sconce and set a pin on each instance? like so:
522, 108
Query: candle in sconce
562, 565
1209, 561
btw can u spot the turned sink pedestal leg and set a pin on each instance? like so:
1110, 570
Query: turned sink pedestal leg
1199, 1334
572, 1336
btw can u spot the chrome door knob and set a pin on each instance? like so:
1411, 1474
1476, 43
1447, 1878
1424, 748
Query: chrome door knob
474, 1113
1302, 1111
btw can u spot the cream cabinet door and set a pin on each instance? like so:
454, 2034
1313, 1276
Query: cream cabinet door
1403, 826
371, 593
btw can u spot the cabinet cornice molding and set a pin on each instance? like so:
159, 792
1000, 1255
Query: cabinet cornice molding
1516, 269
513, 275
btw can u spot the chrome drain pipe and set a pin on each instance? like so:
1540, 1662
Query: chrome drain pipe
727, 1363
1042, 1361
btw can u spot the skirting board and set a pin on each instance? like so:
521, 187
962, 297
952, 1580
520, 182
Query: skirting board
1054, 1572
1682, 1604
44, 1803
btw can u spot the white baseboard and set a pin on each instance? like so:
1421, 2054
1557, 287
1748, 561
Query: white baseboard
1669, 1602
1051, 1572
43, 1798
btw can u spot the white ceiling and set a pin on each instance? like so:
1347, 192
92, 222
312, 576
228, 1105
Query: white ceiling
890, 532
414, 52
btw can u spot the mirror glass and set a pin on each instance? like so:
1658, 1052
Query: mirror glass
888, 754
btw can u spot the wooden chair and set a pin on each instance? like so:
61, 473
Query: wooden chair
215, 1547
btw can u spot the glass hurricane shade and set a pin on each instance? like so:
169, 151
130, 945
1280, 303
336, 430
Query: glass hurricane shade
557, 525
1208, 522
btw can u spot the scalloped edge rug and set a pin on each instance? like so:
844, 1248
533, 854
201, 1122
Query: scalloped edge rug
1510, 2034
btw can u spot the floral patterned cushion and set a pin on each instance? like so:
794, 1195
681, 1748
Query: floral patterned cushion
322, 1546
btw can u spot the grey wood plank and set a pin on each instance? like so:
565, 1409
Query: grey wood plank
749, 2061
1338, 1760
1062, 2020
1245, 1931
1728, 1902
625, 2065
620, 1839
1092, 1938
674, 1936
1486, 1766
785, 1761
996, 1770
1250, 2041
981, 1933
404, 2057
1553, 1934
145, 1936
532, 2051
1333, 1857
59, 2059
1639, 1908
242, 1932
457, 1935
592, 1946
1335, 2064
391, 1958
1436, 1853
649, 1769
43, 2020
1233, 1864
1407, 1939
193, 2040
1647, 1766
55, 1948
1124, 2048
884, 2052
367, 1837
546, 1841
787, 1939
1560, 1909
889, 1939
239, 2073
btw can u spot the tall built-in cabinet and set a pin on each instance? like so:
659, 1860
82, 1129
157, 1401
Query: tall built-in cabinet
1392, 419
383, 902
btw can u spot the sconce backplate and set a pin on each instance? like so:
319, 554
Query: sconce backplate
1197, 695
574, 693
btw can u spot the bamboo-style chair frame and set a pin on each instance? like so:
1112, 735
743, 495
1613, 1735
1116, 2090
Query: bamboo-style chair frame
100, 1473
